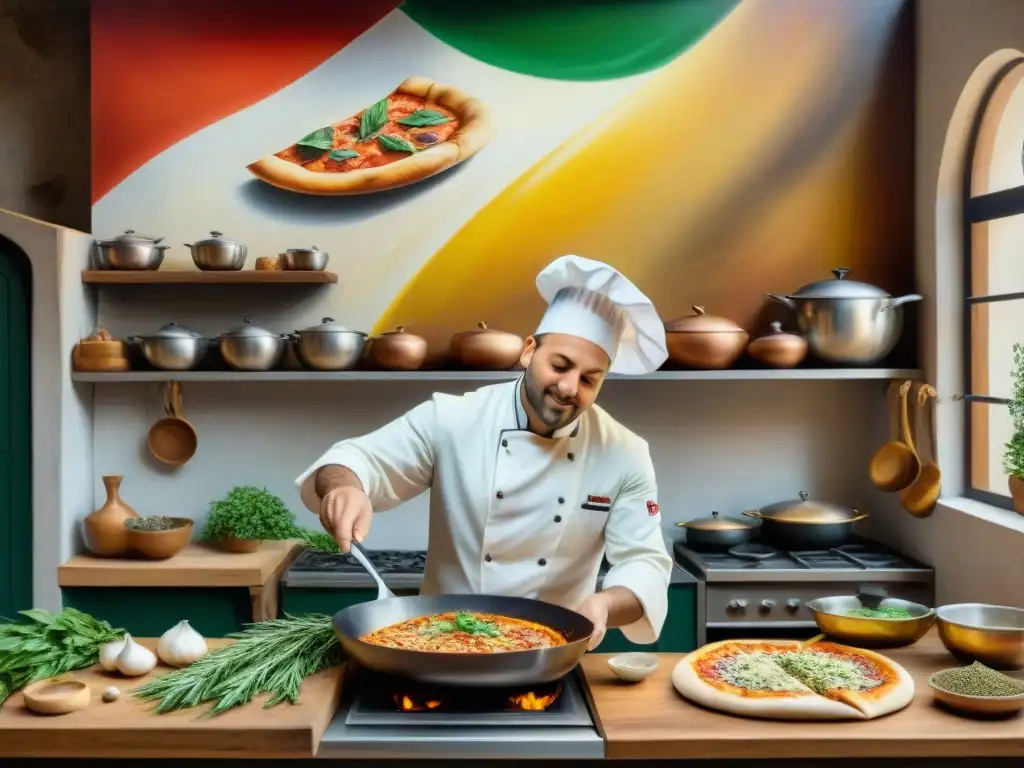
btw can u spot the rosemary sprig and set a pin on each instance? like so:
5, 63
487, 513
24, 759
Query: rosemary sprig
272, 656
48, 645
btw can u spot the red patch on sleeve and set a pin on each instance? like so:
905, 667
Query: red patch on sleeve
653, 508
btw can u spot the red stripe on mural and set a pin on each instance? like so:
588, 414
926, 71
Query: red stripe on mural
163, 69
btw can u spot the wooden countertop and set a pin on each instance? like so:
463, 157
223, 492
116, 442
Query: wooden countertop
126, 727
651, 720
195, 566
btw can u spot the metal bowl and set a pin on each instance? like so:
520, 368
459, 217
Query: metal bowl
329, 346
976, 705
831, 616
991, 634
130, 251
172, 348
304, 259
218, 254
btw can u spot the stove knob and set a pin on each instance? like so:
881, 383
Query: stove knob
792, 604
767, 605
737, 605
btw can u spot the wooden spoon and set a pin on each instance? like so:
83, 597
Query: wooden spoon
173, 439
895, 465
920, 497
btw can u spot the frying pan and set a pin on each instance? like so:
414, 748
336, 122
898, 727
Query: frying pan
473, 670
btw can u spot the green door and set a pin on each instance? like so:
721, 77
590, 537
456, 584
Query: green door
15, 432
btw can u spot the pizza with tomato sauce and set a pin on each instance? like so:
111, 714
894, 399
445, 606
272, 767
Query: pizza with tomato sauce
790, 680
417, 131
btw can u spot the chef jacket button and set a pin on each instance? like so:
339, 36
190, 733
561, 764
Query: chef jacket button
504, 443
558, 518
487, 558
572, 457
501, 495
561, 500
542, 561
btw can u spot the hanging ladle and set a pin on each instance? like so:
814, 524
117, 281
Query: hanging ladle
173, 439
895, 465
920, 497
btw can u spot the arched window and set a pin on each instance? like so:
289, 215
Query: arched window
993, 217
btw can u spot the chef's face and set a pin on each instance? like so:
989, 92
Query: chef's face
563, 376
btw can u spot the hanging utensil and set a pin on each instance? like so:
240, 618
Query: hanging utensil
172, 440
920, 496
895, 465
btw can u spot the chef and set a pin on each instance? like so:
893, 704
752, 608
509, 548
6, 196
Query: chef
531, 482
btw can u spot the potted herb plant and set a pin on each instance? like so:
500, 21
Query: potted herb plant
1013, 456
246, 517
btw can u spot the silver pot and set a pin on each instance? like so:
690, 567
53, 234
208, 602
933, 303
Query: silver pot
805, 524
130, 252
329, 346
216, 254
172, 348
304, 259
250, 348
845, 321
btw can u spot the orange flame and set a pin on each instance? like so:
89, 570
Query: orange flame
531, 702
406, 704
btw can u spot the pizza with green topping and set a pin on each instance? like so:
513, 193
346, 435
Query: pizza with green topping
418, 130
790, 680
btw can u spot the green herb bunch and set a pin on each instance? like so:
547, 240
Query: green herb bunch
49, 645
248, 512
463, 622
1013, 456
271, 657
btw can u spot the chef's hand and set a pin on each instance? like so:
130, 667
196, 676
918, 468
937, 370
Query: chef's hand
595, 608
346, 514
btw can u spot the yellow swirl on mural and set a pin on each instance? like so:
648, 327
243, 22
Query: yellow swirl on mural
669, 186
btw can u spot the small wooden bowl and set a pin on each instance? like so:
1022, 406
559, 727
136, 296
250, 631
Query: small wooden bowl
172, 440
240, 546
56, 697
160, 545
979, 706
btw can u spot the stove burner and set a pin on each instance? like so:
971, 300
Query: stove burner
466, 701
385, 561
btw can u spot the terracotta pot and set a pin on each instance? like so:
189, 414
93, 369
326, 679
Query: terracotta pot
1017, 493
104, 529
397, 350
779, 349
240, 546
159, 545
486, 349
704, 341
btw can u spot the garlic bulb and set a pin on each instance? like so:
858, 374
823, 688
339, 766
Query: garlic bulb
110, 694
181, 645
135, 660
110, 651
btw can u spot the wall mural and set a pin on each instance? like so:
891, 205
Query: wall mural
443, 151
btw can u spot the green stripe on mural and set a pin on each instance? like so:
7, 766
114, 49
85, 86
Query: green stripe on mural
570, 39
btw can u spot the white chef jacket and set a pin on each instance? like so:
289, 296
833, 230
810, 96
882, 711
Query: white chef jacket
513, 513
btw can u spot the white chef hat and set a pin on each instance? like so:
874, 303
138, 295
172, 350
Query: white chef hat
596, 302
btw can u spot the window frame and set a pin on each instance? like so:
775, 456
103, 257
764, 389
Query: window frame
980, 209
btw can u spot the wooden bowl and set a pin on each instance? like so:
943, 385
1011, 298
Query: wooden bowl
56, 697
172, 440
991, 706
160, 545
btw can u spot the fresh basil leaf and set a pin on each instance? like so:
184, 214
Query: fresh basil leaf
374, 118
342, 154
424, 117
321, 138
395, 143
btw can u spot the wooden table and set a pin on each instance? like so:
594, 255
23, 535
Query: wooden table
651, 720
126, 727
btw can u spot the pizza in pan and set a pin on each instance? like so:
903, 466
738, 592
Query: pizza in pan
420, 129
790, 680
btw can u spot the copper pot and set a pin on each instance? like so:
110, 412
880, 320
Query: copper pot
805, 524
704, 341
398, 350
486, 348
779, 349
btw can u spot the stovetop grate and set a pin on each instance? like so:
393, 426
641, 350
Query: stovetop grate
860, 555
385, 561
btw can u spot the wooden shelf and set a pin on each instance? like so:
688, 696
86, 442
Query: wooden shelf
797, 374
198, 277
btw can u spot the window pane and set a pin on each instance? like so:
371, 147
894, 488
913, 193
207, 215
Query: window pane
991, 429
997, 256
997, 163
995, 327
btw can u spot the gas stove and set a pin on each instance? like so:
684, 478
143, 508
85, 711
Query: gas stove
756, 590
398, 568
382, 716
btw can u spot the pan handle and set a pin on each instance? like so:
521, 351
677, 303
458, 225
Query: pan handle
383, 593
753, 513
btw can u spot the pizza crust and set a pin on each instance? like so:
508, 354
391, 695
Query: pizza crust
475, 131
803, 703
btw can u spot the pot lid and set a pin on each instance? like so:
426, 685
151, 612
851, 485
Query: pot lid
840, 288
806, 511
775, 332
172, 331
313, 249
329, 326
130, 237
699, 322
717, 522
399, 331
248, 330
215, 238
481, 327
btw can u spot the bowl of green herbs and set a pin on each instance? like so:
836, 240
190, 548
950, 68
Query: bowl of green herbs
978, 690
872, 621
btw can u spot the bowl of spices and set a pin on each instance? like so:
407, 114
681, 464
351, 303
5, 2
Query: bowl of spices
633, 667
871, 619
978, 690
158, 537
